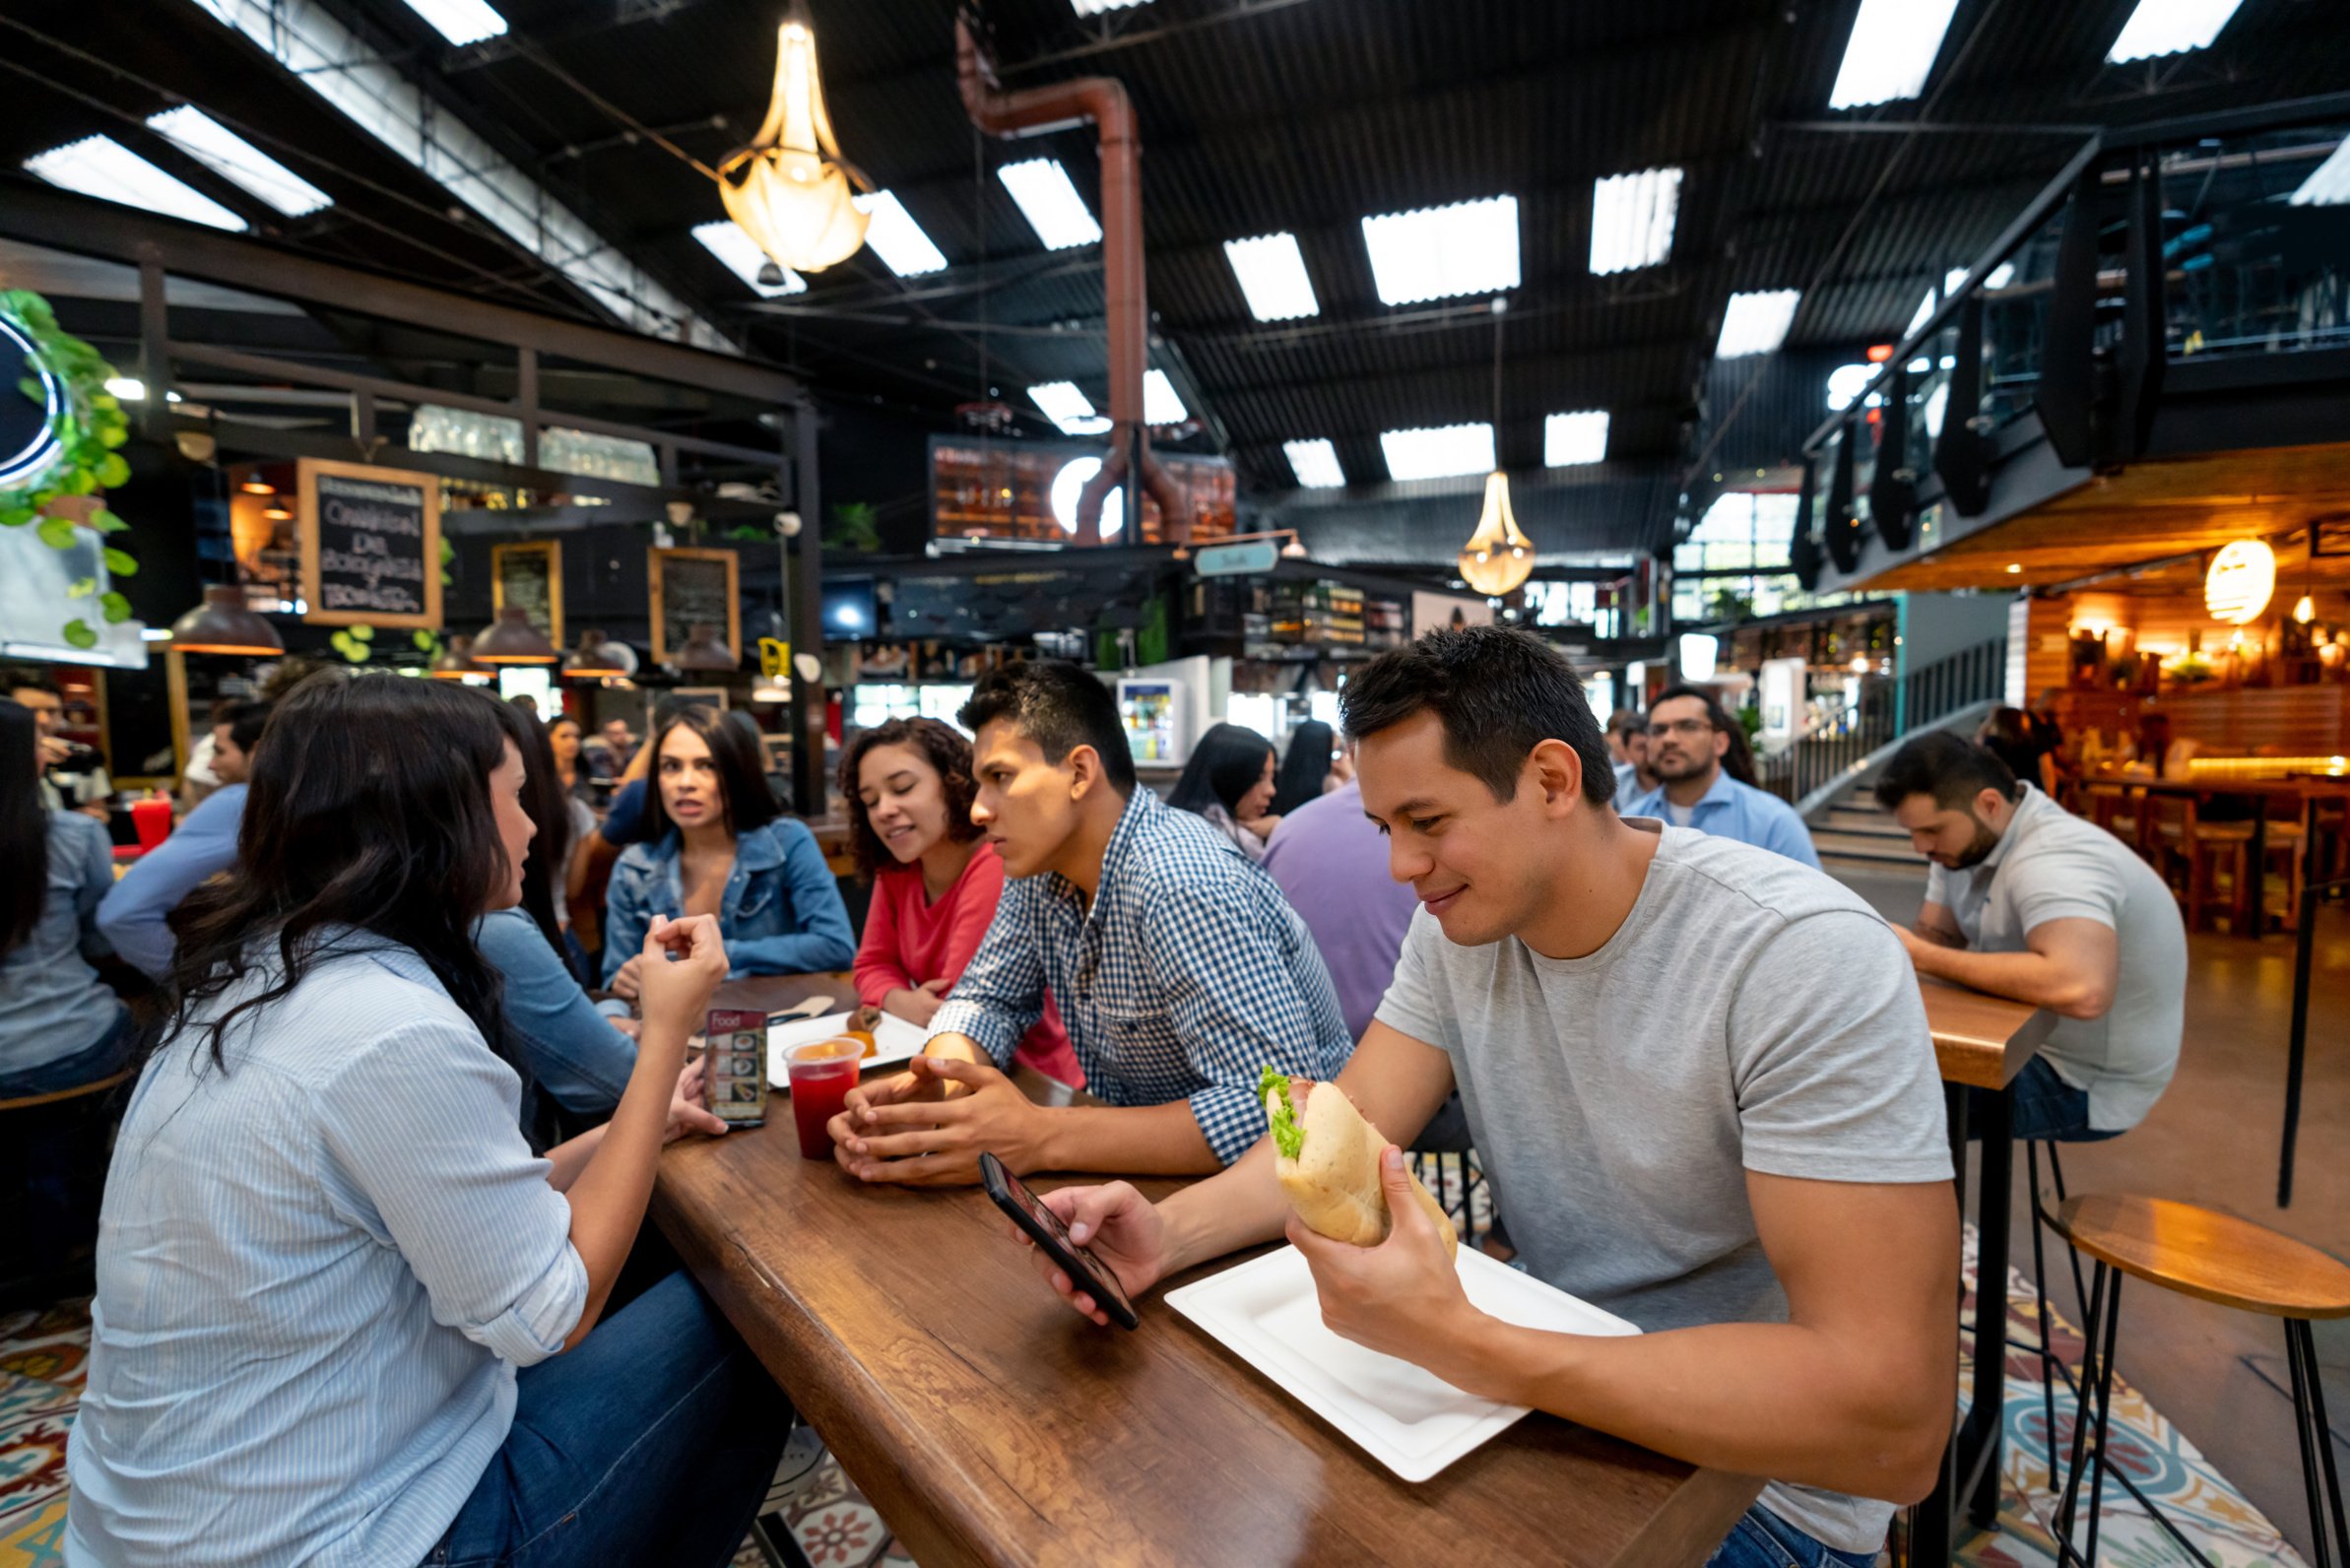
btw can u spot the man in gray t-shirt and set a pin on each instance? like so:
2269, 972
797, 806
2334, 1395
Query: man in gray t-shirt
2027, 900
1700, 1077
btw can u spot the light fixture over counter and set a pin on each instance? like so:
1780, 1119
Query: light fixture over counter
2241, 582
789, 188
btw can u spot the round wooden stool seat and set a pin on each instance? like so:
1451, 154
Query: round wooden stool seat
2210, 1256
25, 1102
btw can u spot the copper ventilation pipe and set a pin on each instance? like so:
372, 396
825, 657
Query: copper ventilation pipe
1034, 111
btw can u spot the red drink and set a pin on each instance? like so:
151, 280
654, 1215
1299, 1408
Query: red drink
151, 820
822, 1075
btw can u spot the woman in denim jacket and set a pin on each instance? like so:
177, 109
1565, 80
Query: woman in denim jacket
719, 847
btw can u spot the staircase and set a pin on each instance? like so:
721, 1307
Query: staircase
1853, 833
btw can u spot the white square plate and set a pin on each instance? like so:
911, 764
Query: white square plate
1408, 1419
894, 1038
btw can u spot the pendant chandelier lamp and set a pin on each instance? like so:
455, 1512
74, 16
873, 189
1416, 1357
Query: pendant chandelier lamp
1498, 558
789, 190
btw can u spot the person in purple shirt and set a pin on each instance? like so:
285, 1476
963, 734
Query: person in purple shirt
133, 914
1331, 861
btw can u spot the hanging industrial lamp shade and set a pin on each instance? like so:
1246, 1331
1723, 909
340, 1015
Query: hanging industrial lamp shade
512, 639
598, 659
788, 189
223, 624
1497, 558
456, 661
703, 651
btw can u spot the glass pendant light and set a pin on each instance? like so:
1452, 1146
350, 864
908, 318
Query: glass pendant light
1498, 558
789, 190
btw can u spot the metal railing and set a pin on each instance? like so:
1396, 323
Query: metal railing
1933, 691
1887, 711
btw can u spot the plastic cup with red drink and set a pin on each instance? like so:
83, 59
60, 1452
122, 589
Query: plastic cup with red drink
822, 1074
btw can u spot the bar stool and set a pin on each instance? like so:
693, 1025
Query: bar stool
2189, 852
2110, 808
2232, 1263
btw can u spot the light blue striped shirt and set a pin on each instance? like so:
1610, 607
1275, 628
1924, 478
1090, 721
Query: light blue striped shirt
317, 1276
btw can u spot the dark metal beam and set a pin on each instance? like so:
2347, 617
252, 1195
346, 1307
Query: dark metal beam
39, 215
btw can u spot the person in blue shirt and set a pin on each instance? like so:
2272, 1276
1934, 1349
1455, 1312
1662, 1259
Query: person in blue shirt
343, 1314
1696, 750
719, 846
60, 1027
134, 915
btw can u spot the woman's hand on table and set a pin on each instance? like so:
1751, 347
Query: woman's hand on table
630, 1027
1117, 1227
927, 1126
919, 1004
688, 1107
681, 964
628, 983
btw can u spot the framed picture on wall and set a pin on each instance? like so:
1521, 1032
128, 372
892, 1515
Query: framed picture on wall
694, 588
530, 574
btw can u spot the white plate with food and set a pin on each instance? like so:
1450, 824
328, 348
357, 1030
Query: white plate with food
895, 1040
1413, 1422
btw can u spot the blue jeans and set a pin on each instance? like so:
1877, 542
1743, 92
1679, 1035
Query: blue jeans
2041, 1106
86, 1066
654, 1440
1762, 1540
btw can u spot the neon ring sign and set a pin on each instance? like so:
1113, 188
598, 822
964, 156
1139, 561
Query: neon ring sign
40, 451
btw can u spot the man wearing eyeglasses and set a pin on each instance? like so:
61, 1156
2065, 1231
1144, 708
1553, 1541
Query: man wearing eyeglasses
1706, 779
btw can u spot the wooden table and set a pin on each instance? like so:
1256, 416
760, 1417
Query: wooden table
1980, 1042
990, 1424
2303, 792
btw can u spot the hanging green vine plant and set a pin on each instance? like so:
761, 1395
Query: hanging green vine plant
86, 422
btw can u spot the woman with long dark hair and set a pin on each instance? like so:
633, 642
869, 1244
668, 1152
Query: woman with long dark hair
720, 847
331, 1275
1229, 781
577, 1055
936, 879
1309, 771
60, 1027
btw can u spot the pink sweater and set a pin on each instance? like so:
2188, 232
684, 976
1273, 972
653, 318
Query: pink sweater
909, 941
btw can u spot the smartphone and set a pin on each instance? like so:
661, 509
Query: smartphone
735, 1084
1044, 1228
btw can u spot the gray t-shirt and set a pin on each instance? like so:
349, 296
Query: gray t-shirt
1750, 1015
2051, 865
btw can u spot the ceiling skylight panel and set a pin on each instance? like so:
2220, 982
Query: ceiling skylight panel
1757, 323
1161, 403
1094, 8
894, 236
1578, 437
2170, 26
461, 22
1892, 52
1050, 203
1437, 252
1315, 463
1632, 218
1271, 273
1439, 452
726, 240
101, 167
238, 161
2328, 184
1067, 407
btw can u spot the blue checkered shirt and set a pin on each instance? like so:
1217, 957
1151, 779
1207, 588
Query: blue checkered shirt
1187, 975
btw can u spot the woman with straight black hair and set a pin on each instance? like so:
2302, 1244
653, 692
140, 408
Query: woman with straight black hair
1229, 781
1309, 771
574, 1052
720, 847
331, 1275
60, 1027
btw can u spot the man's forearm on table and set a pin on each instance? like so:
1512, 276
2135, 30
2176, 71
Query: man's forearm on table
1779, 1399
1240, 1208
1133, 1140
2022, 976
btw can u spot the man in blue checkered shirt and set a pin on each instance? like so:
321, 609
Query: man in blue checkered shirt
1177, 966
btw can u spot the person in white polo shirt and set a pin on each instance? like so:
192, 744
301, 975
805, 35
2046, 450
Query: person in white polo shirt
2029, 902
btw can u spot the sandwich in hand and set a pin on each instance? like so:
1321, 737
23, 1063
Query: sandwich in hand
1326, 1159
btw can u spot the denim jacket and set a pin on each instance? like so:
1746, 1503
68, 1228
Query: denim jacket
781, 913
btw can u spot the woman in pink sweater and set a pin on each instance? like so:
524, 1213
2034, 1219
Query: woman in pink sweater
935, 879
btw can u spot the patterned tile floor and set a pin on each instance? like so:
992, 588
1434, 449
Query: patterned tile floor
42, 1357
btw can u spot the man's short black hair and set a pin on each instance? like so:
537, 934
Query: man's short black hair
1060, 708
245, 723
1947, 766
1499, 693
24, 678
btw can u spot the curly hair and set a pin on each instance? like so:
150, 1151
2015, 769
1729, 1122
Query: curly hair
945, 751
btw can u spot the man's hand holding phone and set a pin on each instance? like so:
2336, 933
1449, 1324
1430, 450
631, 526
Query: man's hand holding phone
1121, 1228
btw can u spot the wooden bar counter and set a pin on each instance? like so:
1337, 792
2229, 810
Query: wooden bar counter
987, 1424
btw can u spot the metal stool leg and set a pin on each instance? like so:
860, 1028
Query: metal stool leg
2047, 1357
2317, 1473
2097, 1378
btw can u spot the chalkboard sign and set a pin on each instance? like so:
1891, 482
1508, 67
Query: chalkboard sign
690, 588
370, 545
530, 574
